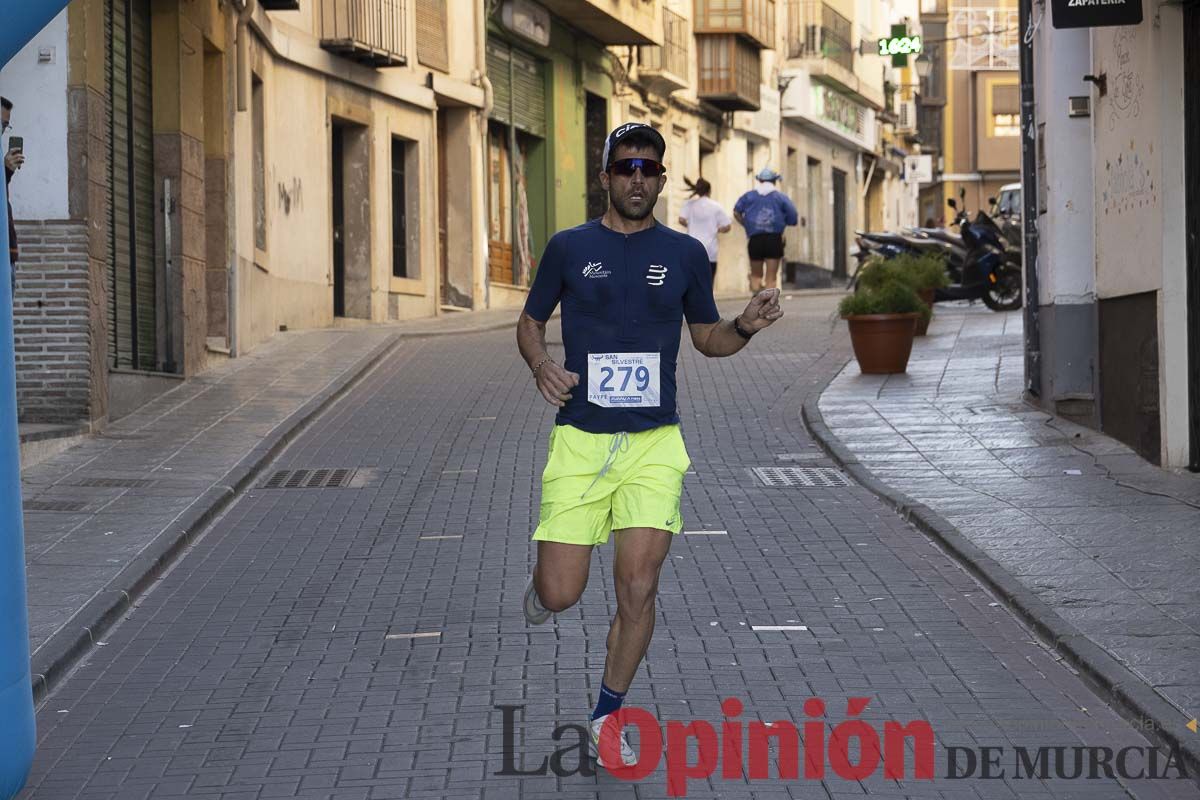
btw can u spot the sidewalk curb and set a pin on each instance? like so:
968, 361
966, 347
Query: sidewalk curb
1115, 682
65, 648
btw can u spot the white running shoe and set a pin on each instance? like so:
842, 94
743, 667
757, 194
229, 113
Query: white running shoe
535, 612
594, 727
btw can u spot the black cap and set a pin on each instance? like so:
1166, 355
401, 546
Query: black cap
623, 131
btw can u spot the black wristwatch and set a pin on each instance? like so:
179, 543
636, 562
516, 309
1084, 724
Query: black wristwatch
737, 328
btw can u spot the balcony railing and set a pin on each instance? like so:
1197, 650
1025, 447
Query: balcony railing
368, 31
815, 30
666, 67
730, 72
752, 19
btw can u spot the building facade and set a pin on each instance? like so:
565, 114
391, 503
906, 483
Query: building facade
1118, 224
969, 108
206, 174
552, 80
846, 111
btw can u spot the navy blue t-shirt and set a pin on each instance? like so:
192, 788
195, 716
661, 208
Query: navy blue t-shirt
622, 293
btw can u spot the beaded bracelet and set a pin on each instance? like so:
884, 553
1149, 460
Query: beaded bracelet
541, 364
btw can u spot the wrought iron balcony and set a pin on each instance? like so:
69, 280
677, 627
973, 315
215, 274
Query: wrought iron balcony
368, 31
816, 30
730, 72
665, 68
750, 19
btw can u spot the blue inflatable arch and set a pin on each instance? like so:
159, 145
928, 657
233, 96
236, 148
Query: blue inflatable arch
22, 19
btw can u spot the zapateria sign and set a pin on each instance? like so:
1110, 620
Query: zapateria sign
1096, 13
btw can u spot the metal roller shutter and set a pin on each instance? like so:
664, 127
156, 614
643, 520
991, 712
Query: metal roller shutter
497, 67
521, 78
133, 320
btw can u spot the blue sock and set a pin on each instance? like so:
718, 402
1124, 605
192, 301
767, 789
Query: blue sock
608, 702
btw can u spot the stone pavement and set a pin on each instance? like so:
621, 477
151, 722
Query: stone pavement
1098, 537
356, 642
103, 517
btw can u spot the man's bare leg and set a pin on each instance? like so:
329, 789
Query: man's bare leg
772, 273
640, 556
756, 276
561, 573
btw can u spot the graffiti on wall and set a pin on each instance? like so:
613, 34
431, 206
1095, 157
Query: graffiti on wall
1125, 85
1128, 182
291, 195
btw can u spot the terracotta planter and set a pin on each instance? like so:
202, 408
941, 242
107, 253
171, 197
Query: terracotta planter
882, 342
926, 296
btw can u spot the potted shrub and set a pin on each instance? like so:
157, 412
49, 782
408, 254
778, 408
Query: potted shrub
882, 324
925, 273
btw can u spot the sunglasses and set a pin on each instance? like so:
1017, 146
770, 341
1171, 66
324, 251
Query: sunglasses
627, 166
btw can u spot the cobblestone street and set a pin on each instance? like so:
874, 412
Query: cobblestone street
355, 643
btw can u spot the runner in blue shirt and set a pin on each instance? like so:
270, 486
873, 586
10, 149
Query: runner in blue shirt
616, 461
764, 212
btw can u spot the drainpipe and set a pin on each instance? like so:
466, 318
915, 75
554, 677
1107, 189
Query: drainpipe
489, 99
245, 9
245, 12
1029, 195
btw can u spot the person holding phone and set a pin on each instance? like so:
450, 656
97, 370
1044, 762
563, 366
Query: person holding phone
14, 159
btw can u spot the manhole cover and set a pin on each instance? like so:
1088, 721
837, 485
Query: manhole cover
310, 479
53, 505
800, 476
115, 483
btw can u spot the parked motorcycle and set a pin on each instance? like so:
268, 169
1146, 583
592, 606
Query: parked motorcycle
992, 272
979, 261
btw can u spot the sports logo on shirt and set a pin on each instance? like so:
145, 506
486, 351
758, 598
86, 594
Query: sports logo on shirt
595, 269
656, 275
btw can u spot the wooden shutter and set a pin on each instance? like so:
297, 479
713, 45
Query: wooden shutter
1006, 99
432, 44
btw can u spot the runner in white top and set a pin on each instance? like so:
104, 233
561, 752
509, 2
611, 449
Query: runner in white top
704, 219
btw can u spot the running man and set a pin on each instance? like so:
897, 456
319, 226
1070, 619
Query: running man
616, 459
764, 212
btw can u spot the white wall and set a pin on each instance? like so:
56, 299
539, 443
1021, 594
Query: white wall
1128, 159
1066, 263
39, 95
1172, 316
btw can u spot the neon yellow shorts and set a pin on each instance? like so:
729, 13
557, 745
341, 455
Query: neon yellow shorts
595, 483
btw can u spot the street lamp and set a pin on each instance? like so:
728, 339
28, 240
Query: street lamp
923, 65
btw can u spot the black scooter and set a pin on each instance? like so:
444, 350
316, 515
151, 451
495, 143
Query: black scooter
979, 262
992, 271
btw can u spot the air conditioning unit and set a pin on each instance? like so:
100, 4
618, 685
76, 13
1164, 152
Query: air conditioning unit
907, 115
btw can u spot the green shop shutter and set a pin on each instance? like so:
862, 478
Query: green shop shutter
497, 67
524, 85
132, 329
529, 94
